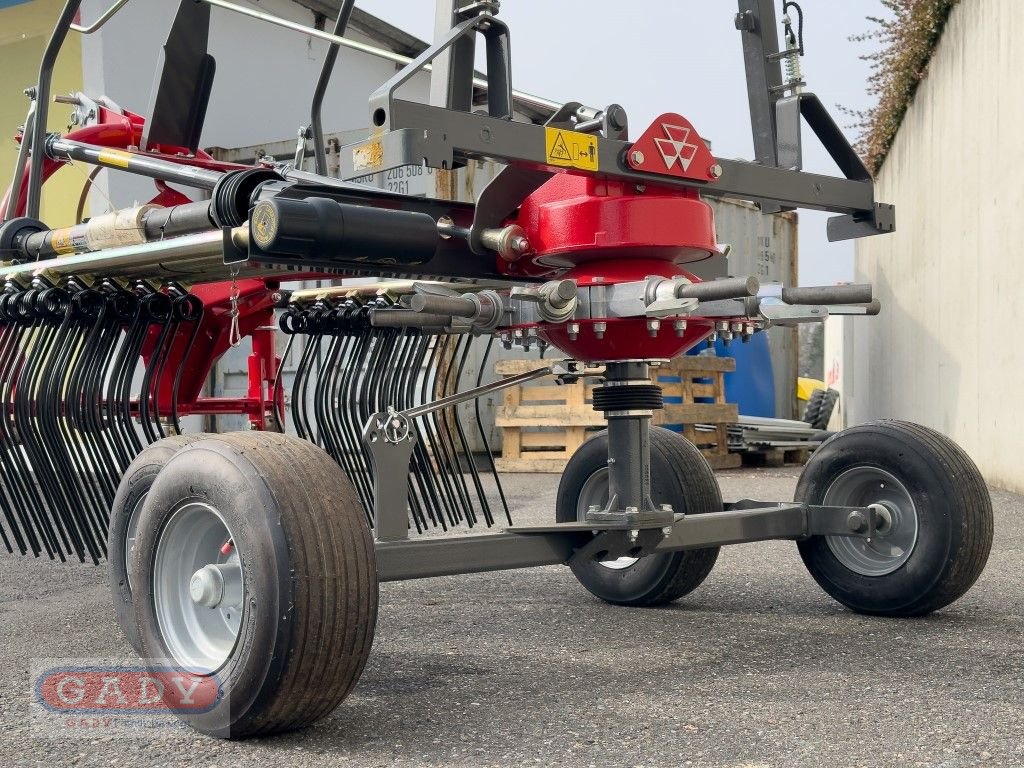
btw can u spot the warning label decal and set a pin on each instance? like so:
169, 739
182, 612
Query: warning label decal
570, 149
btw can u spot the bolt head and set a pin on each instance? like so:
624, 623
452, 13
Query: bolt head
715, 171
637, 157
594, 508
632, 511
855, 521
667, 530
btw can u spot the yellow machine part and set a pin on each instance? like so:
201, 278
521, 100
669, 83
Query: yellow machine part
805, 386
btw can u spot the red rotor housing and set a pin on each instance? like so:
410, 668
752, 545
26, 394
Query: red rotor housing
601, 232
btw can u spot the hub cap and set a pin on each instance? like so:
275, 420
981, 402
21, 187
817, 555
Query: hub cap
198, 588
595, 492
896, 537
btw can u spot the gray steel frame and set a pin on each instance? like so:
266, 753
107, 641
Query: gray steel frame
739, 523
389, 439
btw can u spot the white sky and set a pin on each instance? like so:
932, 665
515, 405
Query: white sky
655, 56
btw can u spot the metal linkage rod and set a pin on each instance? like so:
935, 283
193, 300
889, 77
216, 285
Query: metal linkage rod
142, 165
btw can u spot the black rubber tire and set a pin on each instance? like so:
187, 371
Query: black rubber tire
131, 492
819, 408
813, 406
309, 571
954, 516
680, 476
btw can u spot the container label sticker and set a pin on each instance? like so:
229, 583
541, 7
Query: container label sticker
570, 149
369, 156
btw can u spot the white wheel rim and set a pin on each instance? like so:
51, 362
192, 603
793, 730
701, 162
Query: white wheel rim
890, 548
198, 588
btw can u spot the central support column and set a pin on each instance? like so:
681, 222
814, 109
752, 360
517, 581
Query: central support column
628, 399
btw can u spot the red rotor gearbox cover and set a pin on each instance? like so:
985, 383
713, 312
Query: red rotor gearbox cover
571, 220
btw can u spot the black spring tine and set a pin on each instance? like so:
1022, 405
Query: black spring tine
77, 425
429, 429
483, 435
118, 400
169, 336
32, 505
345, 456
62, 446
444, 419
104, 411
82, 510
349, 416
278, 378
349, 453
424, 476
197, 312
60, 518
15, 505
81, 391
467, 452
302, 373
147, 405
320, 403
388, 390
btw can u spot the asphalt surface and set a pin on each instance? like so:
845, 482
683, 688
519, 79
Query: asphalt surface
757, 668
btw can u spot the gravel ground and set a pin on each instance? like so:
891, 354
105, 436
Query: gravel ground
757, 668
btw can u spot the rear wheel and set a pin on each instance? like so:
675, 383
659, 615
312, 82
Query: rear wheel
254, 564
124, 519
936, 529
680, 476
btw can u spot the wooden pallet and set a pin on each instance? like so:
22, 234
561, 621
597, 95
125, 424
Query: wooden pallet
775, 457
688, 380
544, 423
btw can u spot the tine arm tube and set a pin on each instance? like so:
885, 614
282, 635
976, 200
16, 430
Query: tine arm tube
446, 305
714, 290
828, 294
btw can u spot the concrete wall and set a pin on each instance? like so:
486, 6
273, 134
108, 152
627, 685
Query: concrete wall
945, 350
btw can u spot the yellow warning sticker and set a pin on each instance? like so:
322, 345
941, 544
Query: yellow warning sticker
62, 241
570, 149
115, 157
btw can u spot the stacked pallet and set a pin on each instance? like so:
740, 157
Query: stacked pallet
694, 391
543, 423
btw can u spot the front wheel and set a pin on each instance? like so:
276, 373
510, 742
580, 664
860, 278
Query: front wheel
680, 476
936, 528
254, 567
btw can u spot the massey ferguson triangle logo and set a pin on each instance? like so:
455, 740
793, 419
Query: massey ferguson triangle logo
676, 147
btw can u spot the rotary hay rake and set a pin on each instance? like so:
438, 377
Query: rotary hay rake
255, 557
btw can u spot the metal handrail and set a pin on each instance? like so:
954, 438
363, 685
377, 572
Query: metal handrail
526, 98
103, 19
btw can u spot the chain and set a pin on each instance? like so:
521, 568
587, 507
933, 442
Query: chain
234, 336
